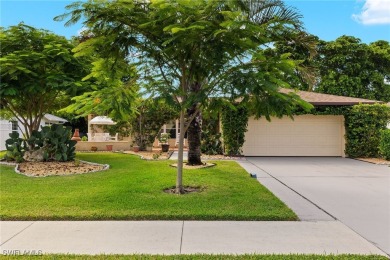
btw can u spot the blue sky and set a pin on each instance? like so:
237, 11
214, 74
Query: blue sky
368, 20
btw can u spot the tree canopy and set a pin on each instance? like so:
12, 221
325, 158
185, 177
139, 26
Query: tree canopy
113, 88
37, 67
306, 75
348, 67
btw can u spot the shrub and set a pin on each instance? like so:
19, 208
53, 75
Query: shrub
363, 125
211, 143
384, 144
234, 126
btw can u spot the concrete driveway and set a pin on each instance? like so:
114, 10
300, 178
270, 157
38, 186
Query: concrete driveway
353, 192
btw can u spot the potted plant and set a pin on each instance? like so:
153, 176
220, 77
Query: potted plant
76, 135
135, 148
164, 138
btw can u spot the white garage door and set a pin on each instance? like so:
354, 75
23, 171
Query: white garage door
306, 135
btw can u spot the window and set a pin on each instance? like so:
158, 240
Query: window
14, 126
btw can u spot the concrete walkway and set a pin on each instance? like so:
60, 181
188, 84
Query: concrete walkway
181, 237
175, 155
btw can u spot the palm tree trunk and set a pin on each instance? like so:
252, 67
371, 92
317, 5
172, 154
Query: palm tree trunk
194, 138
194, 131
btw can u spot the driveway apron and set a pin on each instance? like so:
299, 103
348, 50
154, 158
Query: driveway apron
353, 192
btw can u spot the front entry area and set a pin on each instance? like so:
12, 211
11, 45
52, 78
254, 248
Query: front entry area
306, 135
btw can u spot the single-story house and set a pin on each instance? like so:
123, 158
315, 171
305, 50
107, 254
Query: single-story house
306, 135
9, 126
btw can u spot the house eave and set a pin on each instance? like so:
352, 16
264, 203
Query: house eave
342, 103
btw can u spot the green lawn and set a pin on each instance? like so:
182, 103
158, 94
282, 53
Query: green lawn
132, 189
203, 257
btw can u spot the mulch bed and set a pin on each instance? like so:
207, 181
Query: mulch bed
221, 157
153, 155
186, 190
185, 166
43, 169
375, 160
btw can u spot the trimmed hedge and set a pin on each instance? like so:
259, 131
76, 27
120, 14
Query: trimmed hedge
384, 144
363, 129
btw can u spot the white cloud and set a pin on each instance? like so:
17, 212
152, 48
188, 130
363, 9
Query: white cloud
81, 30
374, 12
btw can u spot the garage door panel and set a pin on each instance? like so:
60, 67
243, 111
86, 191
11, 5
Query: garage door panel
306, 135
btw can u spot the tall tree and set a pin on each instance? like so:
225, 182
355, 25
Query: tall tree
37, 67
349, 67
197, 49
306, 75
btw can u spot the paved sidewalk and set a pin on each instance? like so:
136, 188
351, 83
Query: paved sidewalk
181, 237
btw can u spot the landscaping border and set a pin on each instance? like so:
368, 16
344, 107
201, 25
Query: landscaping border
105, 167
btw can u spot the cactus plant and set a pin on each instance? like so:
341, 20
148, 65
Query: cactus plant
35, 141
57, 143
53, 140
15, 148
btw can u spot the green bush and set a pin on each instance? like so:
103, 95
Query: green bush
384, 144
363, 129
211, 143
234, 126
15, 147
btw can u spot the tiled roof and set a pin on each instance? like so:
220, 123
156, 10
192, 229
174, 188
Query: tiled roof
320, 99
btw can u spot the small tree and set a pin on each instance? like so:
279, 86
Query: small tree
37, 68
197, 49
